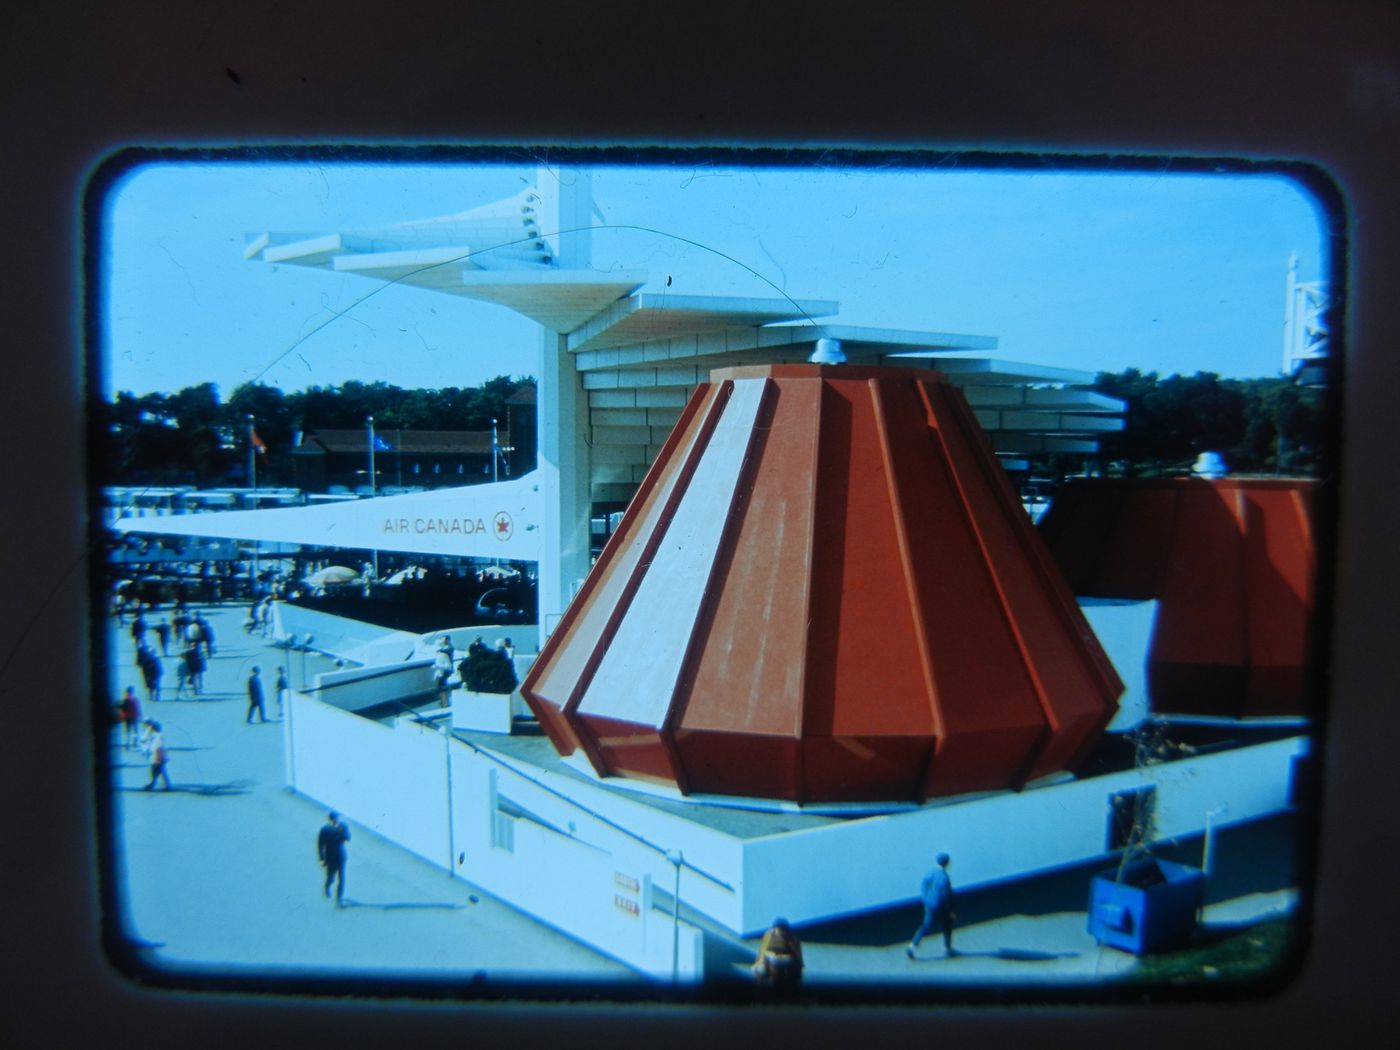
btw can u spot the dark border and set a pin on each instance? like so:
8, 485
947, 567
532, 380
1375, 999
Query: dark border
130, 958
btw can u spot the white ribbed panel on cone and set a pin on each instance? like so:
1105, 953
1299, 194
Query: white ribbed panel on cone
636, 679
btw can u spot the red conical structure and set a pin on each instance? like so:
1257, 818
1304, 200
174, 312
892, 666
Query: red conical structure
825, 590
1231, 562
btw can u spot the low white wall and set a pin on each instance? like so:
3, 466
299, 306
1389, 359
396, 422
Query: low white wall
341, 636
593, 886
391, 779
395, 781
357, 688
711, 881
592, 862
808, 875
482, 712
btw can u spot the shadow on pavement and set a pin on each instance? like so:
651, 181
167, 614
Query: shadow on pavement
402, 905
1013, 954
233, 787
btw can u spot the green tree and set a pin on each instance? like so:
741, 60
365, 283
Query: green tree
193, 437
1268, 425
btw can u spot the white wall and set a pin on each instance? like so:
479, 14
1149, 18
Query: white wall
581, 852
390, 779
808, 875
579, 883
482, 712
710, 882
394, 781
357, 688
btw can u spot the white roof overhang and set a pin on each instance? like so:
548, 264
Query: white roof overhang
501, 520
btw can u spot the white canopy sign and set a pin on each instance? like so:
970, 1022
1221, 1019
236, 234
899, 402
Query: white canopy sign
501, 520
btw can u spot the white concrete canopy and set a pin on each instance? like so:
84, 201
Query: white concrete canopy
652, 315
635, 357
559, 300
985, 371
500, 520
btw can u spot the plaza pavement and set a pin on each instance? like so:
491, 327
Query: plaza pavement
220, 875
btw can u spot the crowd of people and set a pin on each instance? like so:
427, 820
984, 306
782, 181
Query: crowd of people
188, 635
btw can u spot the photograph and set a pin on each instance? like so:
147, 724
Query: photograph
841, 576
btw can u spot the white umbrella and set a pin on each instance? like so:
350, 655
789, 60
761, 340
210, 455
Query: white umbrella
332, 574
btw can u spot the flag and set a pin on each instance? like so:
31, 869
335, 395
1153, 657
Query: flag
257, 442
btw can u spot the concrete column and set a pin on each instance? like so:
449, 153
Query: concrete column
566, 204
566, 215
564, 470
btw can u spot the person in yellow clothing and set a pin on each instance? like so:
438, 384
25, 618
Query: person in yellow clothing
779, 962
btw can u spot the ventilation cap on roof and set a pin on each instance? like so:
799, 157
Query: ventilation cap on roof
1209, 465
828, 352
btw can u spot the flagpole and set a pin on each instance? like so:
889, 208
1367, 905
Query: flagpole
252, 455
369, 422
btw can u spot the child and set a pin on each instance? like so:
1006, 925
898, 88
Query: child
153, 743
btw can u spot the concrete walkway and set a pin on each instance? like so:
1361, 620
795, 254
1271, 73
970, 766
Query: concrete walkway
220, 875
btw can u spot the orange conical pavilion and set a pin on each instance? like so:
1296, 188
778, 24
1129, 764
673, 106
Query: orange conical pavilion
1231, 562
825, 590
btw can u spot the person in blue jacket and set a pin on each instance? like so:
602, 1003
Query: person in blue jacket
330, 850
937, 893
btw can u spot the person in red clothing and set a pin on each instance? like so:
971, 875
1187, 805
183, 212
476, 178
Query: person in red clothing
129, 716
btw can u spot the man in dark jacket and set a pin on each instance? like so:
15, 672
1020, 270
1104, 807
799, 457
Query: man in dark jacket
937, 893
330, 849
255, 696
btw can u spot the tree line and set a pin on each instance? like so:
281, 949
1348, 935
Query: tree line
1260, 426
1264, 426
194, 437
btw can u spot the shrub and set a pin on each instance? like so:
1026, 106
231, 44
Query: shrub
488, 671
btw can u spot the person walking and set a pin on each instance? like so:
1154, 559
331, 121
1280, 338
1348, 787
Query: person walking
152, 670
194, 633
138, 629
330, 850
153, 743
129, 715
255, 696
779, 962
442, 669
937, 893
194, 660
206, 634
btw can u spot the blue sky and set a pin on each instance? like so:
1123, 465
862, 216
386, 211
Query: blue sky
1173, 273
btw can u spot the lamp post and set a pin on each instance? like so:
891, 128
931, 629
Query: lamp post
306, 641
252, 456
369, 422
677, 859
